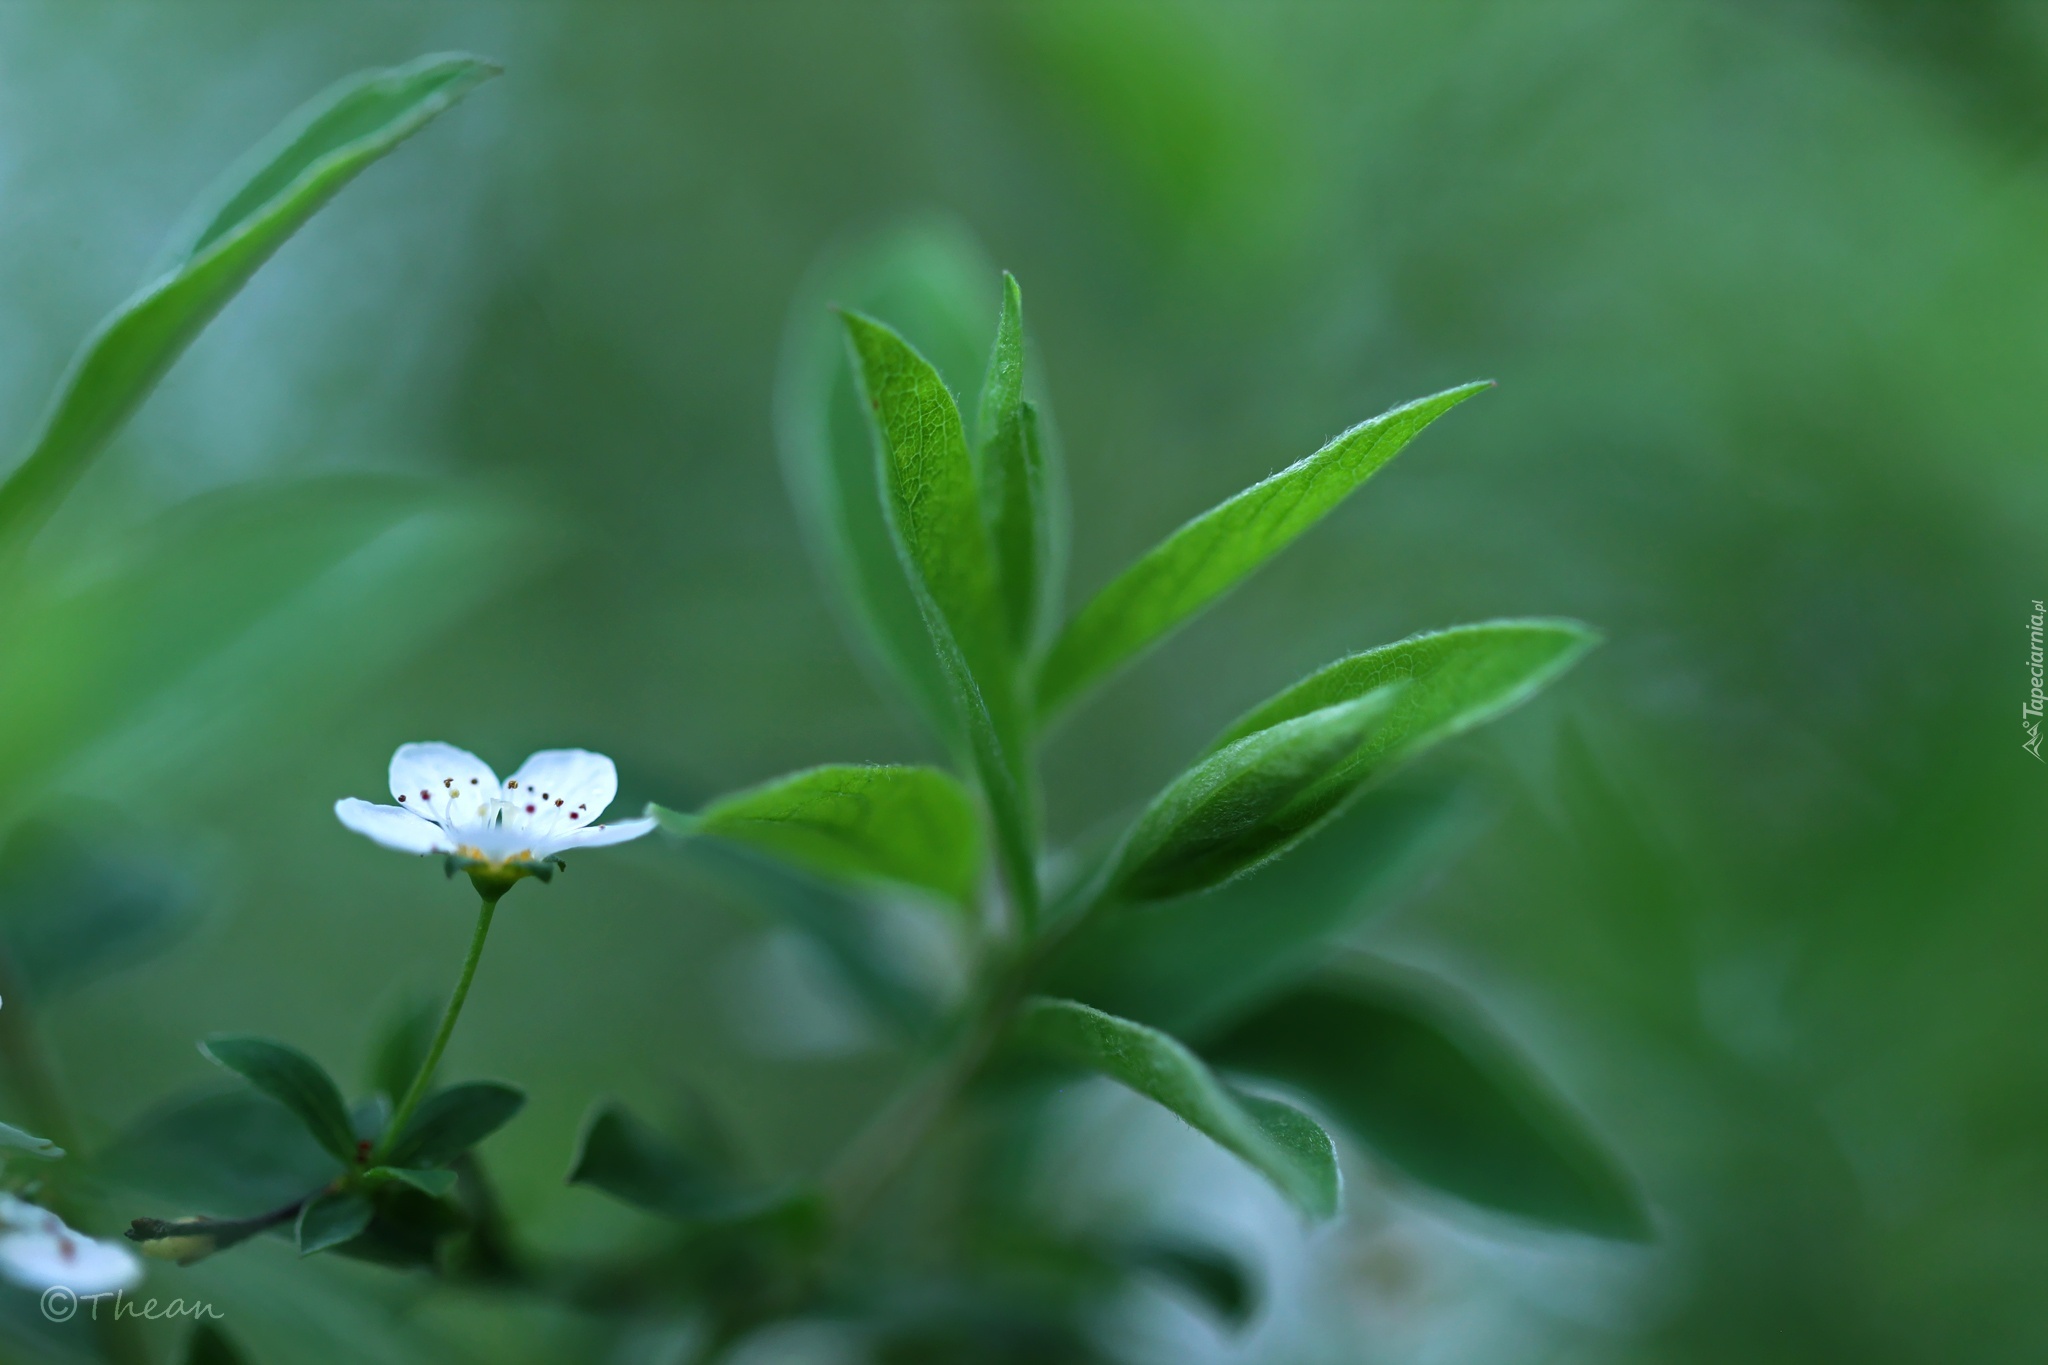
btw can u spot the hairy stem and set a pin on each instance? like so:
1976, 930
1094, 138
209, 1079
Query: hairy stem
418, 1089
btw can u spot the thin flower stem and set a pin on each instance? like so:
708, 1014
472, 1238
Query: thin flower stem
418, 1090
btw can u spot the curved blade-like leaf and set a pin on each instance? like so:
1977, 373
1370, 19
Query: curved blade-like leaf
266, 198
1017, 483
934, 514
1243, 804
916, 826
450, 1122
295, 1081
1208, 556
331, 1219
1274, 1139
75, 904
1433, 1091
634, 1163
1455, 680
930, 279
1187, 963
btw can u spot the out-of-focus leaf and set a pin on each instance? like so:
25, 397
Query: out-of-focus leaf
208, 1345
934, 513
1016, 483
294, 1080
237, 1154
1453, 681
1427, 1086
1184, 964
401, 1045
1245, 803
638, 1165
331, 1219
1208, 556
73, 909
14, 1142
450, 1122
1272, 1138
261, 203
916, 826
930, 280
222, 622
1220, 1281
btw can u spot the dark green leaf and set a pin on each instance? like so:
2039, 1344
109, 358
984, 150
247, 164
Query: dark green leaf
1207, 557
14, 1142
328, 1220
266, 198
1185, 963
1454, 680
1015, 483
401, 1045
916, 826
438, 1183
1217, 1279
238, 1153
208, 1345
934, 514
294, 1080
634, 1163
1433, 1091
1246, 803
450, 1122
73, 909
1270, 1137
928, 278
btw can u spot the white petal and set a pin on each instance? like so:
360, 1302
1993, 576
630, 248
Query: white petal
566, 779
392, 826
44, 1260
597, 836
442, 783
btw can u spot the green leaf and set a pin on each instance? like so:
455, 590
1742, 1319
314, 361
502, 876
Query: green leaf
934, 513
14, 1142
330, 1219
638, 1165
438, 1183
1219, 1280
916, 826
236, 1153
1246, 803
1428, 1087
265, 199
450, 1122
1454, 679
1015, 483
929, 278
1186, 963
208, 1345
1205, 558
73, 908
401, 1045
294, 1080
1272, 1138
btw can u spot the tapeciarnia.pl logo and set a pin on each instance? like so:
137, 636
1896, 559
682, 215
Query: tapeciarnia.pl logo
2030, 714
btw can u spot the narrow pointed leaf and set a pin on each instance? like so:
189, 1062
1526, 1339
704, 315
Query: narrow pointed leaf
934, 514
1015, 481
294, 1080
634, 1163
1244, 803
929, 279
438, 1183
450, 1122
915, 826
266, 198
1454, 679
328, 1220
1434, 1092
1207, 557
1272, 1138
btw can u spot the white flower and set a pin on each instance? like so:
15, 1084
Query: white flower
449, 801
37, 1251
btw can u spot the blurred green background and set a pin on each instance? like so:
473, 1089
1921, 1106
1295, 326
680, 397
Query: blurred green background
1764, 287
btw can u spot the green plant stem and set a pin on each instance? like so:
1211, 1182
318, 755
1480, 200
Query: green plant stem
417, 1091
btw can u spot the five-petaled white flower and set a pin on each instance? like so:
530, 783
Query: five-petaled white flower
450, 802
37, 1251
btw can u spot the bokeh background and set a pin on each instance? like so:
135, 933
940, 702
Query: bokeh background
1759, 886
